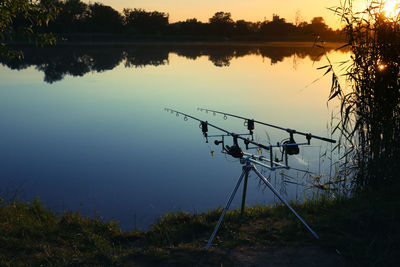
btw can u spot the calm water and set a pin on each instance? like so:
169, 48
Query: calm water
84, 128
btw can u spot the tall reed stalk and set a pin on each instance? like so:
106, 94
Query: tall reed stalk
370, 108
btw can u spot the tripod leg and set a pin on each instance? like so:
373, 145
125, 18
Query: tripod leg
283, 200
245, 169
244, 192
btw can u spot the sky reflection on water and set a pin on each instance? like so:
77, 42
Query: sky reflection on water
102, 144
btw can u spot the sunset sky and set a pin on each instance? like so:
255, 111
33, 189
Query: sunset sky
251, 10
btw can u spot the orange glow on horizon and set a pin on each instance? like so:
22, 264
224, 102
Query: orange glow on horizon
256, 10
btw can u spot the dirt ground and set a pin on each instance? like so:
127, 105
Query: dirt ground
291, 256
285, 256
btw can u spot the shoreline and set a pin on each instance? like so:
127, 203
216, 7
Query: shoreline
34, 235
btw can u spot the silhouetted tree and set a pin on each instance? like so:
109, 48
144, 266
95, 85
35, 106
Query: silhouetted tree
222, 24
318, 26
141, 21
104, 19
243, 27
193, 27
72, 18
278, 28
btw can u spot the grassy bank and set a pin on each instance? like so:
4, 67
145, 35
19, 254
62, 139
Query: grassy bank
362, 231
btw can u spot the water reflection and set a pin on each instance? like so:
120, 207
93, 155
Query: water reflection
57, 62
103, 144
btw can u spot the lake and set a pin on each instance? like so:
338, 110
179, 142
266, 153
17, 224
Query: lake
84, 128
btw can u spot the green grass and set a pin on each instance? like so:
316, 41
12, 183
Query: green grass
364, 230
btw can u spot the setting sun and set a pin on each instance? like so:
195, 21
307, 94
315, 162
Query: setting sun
391, 8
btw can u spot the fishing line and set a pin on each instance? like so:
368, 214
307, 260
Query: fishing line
287, 147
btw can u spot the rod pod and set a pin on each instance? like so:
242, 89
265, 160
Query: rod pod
248, 166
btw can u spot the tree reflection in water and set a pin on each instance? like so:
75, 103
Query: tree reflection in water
77, 60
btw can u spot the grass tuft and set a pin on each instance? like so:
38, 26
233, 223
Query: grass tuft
364, 230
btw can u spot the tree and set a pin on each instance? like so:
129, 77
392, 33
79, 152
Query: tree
278, 28
141, 21
298, 18
222, 23
24, 20
243, 27
104, 18
72, 18
75, 10
221, 18
318, 26
193, 27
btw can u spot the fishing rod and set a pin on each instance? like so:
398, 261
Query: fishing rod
249, 162
290, 147
250, 125
204, 127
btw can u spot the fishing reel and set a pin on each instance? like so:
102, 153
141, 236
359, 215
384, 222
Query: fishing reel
290, 146
234, 150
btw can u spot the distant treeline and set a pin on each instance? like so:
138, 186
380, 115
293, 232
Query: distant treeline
77, 20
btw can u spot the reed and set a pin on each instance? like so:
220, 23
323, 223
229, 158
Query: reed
370, 108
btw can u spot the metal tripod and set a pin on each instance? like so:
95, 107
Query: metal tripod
249, 164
